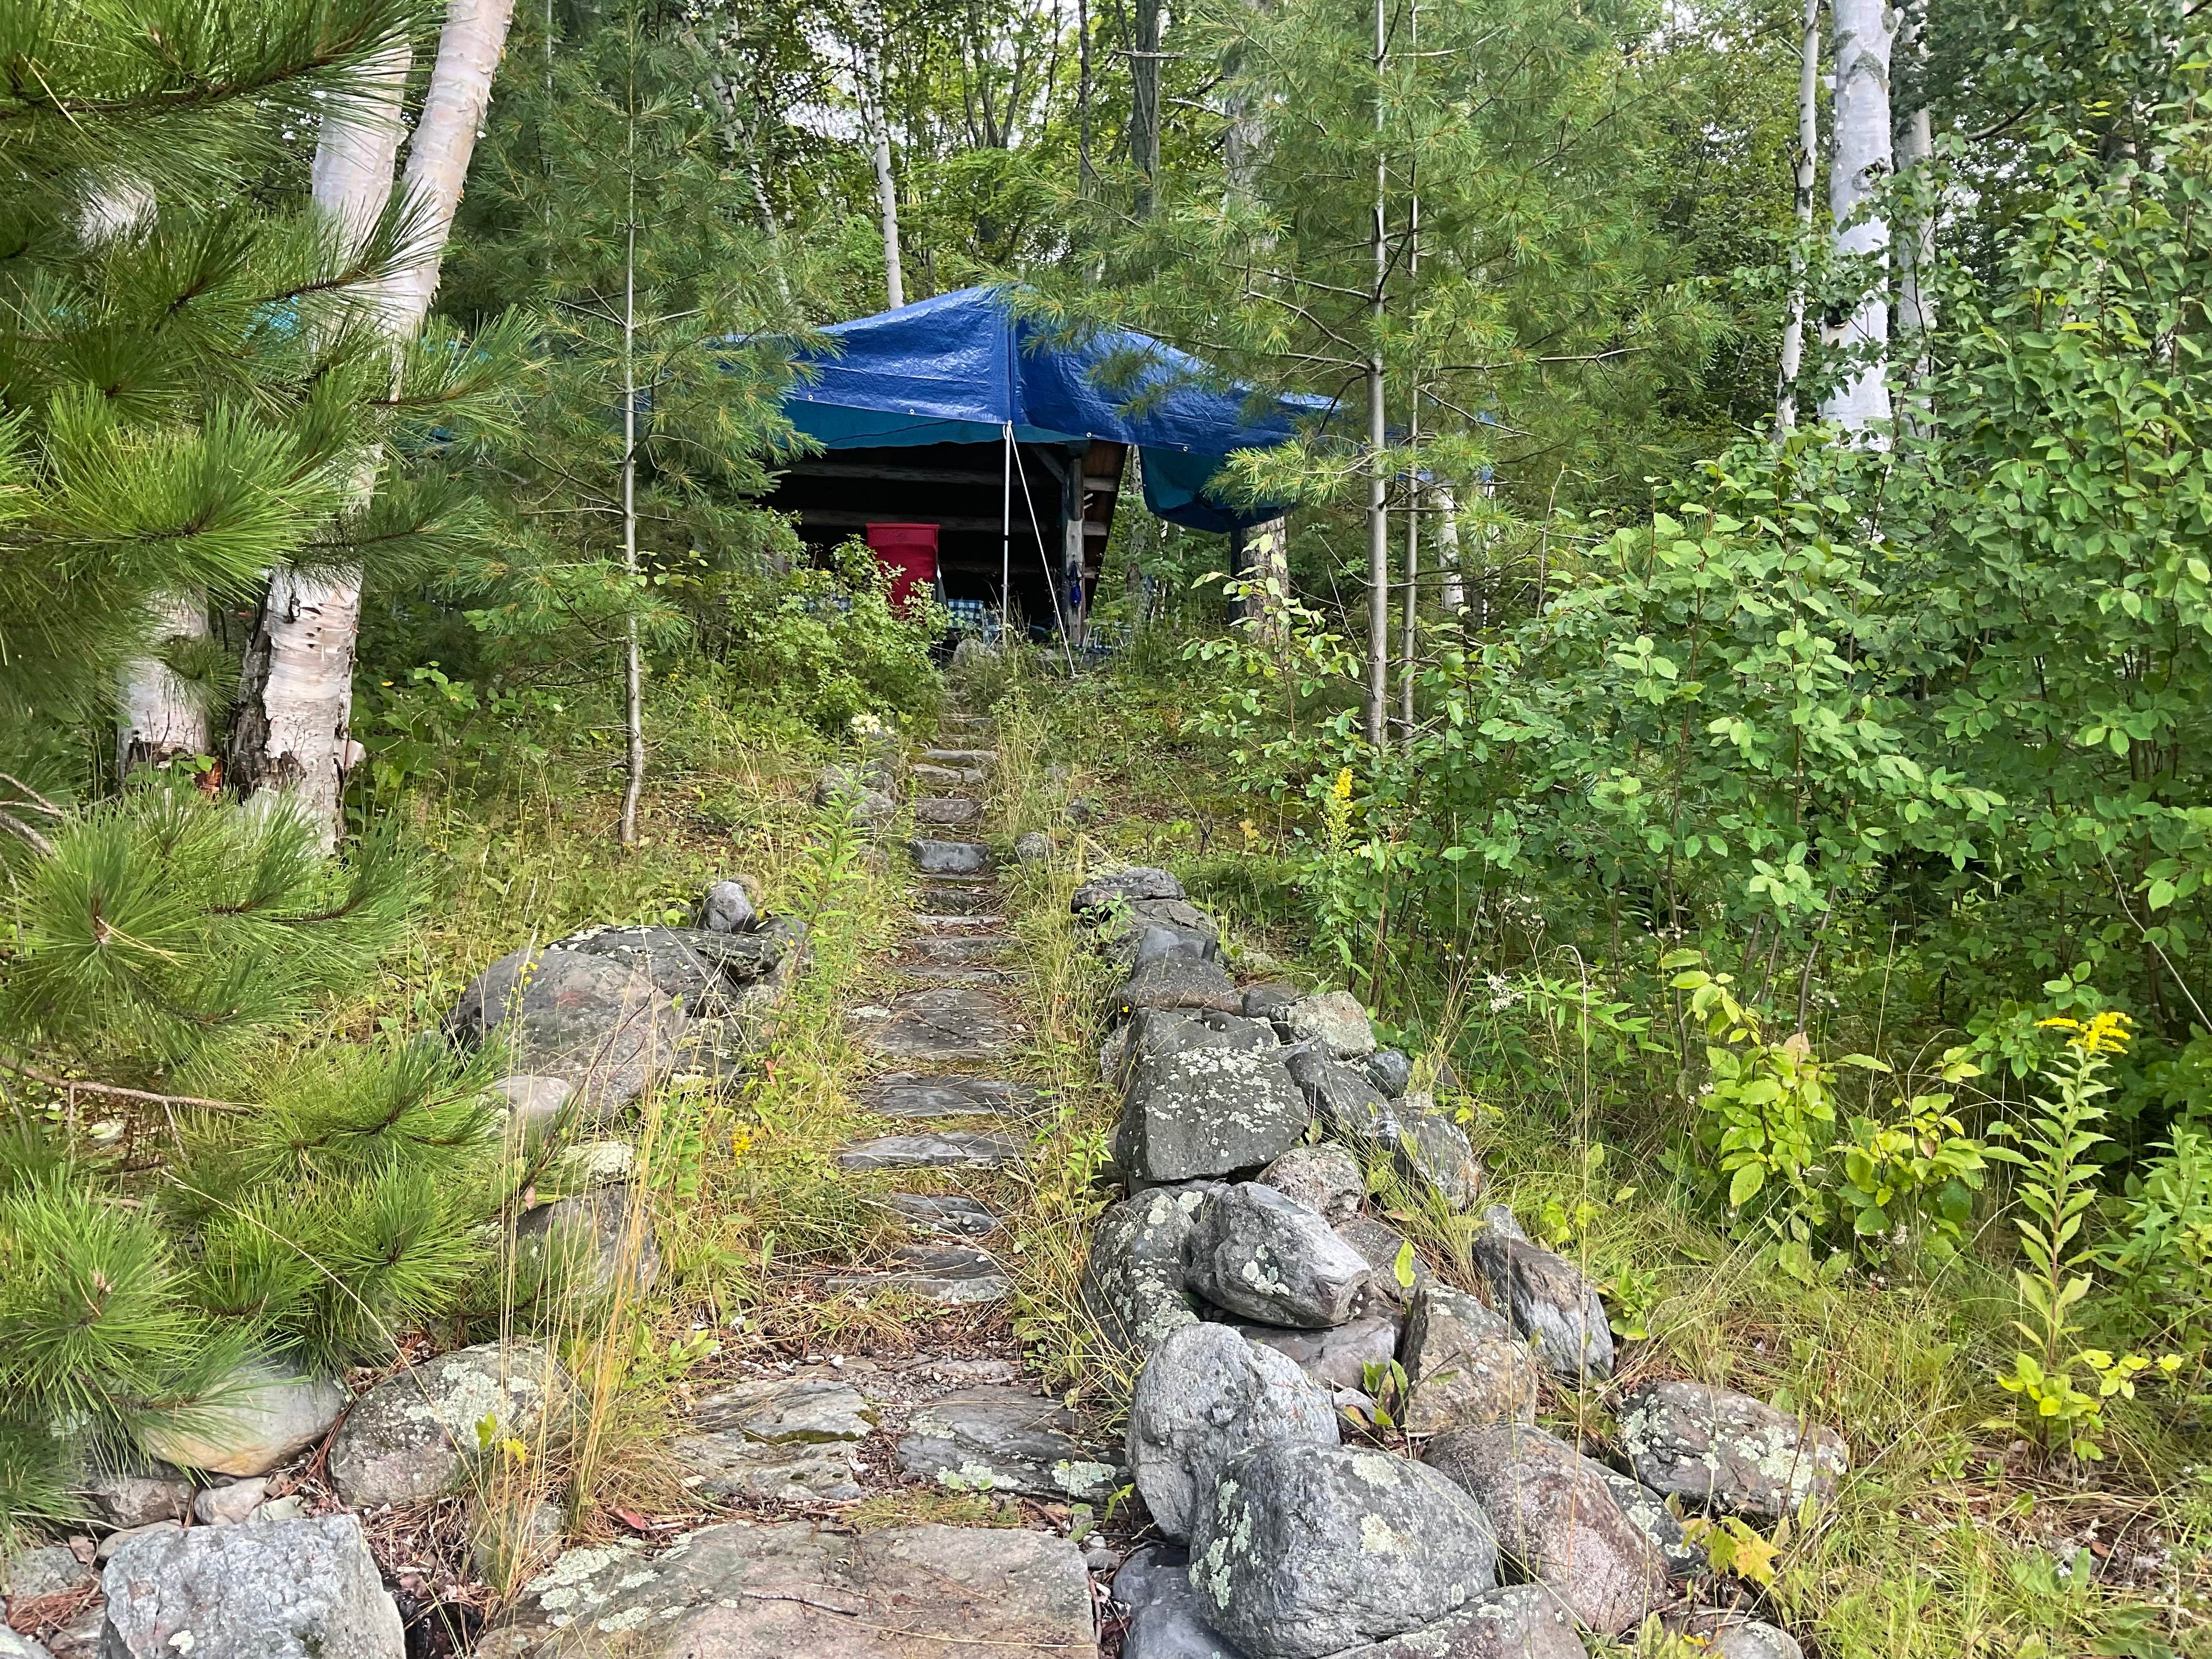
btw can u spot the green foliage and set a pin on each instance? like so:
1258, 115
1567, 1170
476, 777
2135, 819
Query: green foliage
826, 644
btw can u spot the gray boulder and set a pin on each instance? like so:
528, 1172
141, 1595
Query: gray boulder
799, 1592
1465, 1365
1382, 1246
709, 973
1153, 1591
1337, 1358
413, 1435
1307, 1549
727, 909
532, 1105
949, 858
787, 1410
1326, 1179
1189, 931
1727, 1452
1271, 1000
229, 1504
1389, 1071
1151, 942
285, 1590
1545, 1296
1033, 846
1124, 887
1173, 980
1648, 1508
583, 1246
1412, 1130
1336, 1021
858, 792
1204, 1396
1258, 1252
1724, 1633
999, 1438
1132, 1278
16, 1646
30, 1575
1514, 1621
263, 1413
1206, 1112
136, 1495
597, 1021
1556, 1518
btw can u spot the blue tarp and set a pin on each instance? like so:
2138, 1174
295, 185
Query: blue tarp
958, 367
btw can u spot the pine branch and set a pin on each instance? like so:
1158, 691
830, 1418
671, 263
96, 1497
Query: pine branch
114, 1092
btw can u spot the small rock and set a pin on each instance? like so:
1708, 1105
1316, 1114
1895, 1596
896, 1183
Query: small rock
1389, 1071
1556, 1517
1153, 1589
1203, 1112
799, 1591
1132, 1278
288, 1508
731, 1469
30, 1575
1171, 979
534, 1104
226, 1506
1725, 1451
295, 1590
1003, 1439
1122, 933
1465, 1364
258, 1416
1326, 1179
1545, 1296
1413, 1132
1127, 886
116, 1540
16, 1646
1033, 846
727, 909
138, 1496
1720, 1633
1337, 1358
1382, 1246
411, 1435
597, 1163
943, 1213
1270, 1001
1333, 1019
947, 811
1154, 942
1258, 1252
1307, 1549
787, 1410
948, 1149
1514, 1621
584, 1246
971, 656
1204, 1396
949, 858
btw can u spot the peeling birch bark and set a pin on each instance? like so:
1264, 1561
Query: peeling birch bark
160, 715
1807, 170
1452, 588
1863, 33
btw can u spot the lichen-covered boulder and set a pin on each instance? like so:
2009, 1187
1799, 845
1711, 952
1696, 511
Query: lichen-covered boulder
595, 1021
261, 1415
1307, 1549
1204, 1396
1000, 1438
1557, 1520
1545, 1296
412, 1435
1258, 1252
1171, 978
1383, 1247
1124, 887
1514, 1621
1418, 1136
1153, 1591
1206, 1112
283, 1589
1725, 1451
1326, 1179
1133, 1281
1464, 1363
1333, 1021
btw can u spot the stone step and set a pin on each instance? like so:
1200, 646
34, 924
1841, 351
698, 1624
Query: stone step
947, 811
942, 898
955, 1275
946, 1149
1009, 1439
949, 858
941, 922
912, 1094
961, 756
953, 776
976, 947
944, 1021
940, 1213
955, 973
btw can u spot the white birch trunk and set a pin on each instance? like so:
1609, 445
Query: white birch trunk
1863, 30
1916, 256
1451, 587
296, 702
1378, 431
887, 206
632, 661
1808, 160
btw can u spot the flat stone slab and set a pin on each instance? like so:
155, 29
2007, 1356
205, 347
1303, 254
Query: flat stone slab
951, 1149
939, 1212
1003, 1439
956, 1275
907, 1094
730, 1467
931, 922
958, 898
978, 947
947, 811
949, 776
945, 1022
961, 756
793, 1590
949, 858
776, 1410
953, 973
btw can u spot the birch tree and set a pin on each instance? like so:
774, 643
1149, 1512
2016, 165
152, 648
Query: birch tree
1806, 168
289, 732
1862, 31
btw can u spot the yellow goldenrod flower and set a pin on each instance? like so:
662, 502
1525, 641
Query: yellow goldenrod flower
1342, 790
2102, 1034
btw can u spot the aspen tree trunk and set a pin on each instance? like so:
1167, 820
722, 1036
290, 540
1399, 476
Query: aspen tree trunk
633, 664
1378, 434
1807, 159
295, 697
1916, 254
1145, 104
158, 718
887, 205
1451, 589
1862, 31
